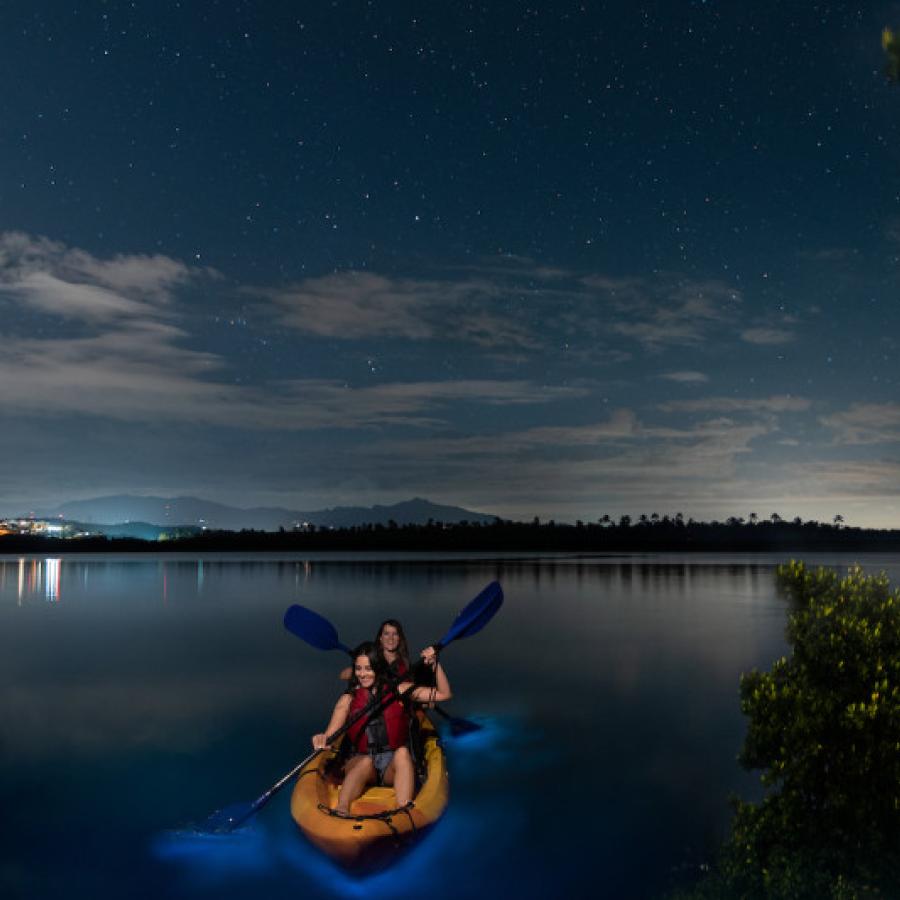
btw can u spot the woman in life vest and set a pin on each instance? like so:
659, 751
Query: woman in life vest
390, 643
379, 740
390, 646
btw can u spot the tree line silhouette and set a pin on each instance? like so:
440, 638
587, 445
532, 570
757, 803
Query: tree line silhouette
645, 533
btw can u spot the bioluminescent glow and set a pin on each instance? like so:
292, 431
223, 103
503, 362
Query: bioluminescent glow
272, 842
214, 856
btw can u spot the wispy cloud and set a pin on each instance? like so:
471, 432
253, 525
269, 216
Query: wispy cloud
622, 438
140, 375
360, 304
622, 425
498, 306
686, 377
776, 404
767, 336
865, 423
132, 357
52, 278
857, 478
321, 404
666, 311
357, 305
618, 462
131, 352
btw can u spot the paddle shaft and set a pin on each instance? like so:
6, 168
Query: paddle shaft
372, 706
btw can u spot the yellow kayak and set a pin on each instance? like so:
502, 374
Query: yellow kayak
376, 831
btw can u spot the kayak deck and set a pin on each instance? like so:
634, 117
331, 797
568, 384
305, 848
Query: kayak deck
375, 832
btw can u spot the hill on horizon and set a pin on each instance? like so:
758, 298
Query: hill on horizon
193, 511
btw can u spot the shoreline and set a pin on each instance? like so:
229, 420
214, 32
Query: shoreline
503, 538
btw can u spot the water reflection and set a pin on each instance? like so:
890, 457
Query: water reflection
52, 569
35, 579
164, 687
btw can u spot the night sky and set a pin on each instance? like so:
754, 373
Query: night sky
561, 259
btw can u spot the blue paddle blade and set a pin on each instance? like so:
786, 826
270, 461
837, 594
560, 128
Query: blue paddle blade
476, 614
313, 629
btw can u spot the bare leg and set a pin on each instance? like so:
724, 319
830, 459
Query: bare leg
401, 775
358, 772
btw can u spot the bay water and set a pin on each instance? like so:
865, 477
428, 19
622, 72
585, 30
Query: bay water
138, 694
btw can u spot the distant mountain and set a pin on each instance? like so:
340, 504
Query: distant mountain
410, 512
191, 511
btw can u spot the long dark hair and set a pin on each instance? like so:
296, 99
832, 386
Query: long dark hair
402, 648
370, 651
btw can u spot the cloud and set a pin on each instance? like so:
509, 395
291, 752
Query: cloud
621, 425
131, 358
493, 332
140, 374
686, 377
46, 293
496, 306
857, 478
334, 404
130, 353
775, 404
592, 470
664, 311
51, 278
605, 452
766, 336
358, 305
865, 423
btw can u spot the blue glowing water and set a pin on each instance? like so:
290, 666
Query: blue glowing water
138, 695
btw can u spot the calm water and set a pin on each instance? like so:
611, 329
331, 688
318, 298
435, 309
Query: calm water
137, 695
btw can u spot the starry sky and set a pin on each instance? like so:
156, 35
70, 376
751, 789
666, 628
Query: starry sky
557, 259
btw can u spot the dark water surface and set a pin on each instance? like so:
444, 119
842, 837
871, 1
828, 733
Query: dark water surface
138, 695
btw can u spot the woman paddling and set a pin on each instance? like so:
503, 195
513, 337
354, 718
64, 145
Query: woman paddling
380, 739
390, 646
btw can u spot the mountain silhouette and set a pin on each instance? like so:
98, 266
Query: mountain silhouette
192, 511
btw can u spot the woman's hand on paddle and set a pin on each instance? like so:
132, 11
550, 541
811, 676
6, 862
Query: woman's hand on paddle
318, 742
441, 691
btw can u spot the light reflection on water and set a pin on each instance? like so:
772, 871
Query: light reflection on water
137, 693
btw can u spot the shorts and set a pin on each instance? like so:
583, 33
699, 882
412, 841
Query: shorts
381, 761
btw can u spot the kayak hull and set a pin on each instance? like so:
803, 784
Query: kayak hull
376, 833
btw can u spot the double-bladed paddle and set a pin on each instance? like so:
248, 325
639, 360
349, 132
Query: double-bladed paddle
232, 816
322, 634
317, 631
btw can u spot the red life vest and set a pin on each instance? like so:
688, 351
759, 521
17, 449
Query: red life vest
396, 720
